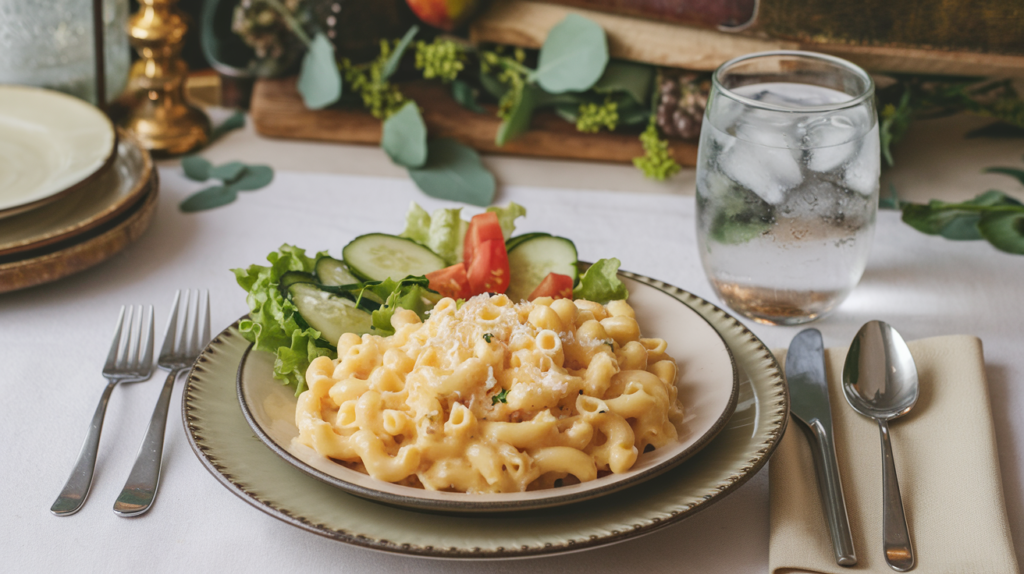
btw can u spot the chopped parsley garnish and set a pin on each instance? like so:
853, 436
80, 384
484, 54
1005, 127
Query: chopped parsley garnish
500, 397
487, 337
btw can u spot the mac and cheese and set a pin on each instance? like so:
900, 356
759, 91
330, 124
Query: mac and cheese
494, 396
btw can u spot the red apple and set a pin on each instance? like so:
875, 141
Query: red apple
444, 14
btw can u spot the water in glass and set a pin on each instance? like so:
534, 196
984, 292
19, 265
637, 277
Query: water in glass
786, 198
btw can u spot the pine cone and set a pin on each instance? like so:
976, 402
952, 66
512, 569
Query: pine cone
683, 96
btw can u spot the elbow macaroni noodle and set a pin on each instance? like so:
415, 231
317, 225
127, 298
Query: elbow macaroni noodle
583, 395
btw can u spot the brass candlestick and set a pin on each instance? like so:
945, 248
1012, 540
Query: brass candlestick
160, 117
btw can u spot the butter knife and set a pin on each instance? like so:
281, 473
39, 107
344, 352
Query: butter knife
808, 390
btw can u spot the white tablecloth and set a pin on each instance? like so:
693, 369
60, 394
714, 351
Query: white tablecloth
55, 337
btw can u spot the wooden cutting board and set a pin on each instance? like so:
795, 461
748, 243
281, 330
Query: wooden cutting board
277, 111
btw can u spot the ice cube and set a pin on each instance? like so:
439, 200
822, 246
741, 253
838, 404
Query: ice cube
831, 141
862, 173
759, 159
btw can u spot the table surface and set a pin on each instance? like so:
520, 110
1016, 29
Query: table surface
55, 337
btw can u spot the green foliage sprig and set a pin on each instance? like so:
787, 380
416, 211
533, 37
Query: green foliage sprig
656, 163
593, 116
235, 176
379, 96
993, 216
441, 59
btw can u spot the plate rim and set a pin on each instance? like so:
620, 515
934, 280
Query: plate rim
15, 209
138, 189
774, 386
457, 506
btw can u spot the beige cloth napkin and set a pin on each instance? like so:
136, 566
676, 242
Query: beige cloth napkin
948, 470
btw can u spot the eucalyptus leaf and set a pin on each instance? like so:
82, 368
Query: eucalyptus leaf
518, 120
236, 121
391, 66
465, 95
196, 168
573, 56
568, 112
228, 172
1004, 230
629, 77
319, 78
453, 171
255, 177
208, 198
1017, 174
544, 99
404, 137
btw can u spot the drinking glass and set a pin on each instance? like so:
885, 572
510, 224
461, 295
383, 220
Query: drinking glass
787, 183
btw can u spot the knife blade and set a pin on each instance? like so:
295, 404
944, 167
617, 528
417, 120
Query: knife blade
809, 403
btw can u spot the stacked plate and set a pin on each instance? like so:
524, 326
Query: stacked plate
74, 190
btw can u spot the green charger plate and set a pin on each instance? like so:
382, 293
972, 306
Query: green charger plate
224, 443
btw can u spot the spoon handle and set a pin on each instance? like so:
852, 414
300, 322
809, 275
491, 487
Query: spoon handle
899, 553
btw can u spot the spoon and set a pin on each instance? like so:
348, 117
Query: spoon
880, 382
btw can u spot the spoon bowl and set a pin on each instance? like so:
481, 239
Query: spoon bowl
880, 382
880, 377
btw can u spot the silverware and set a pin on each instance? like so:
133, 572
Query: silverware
181, 348
880, 382
130, 360
808, 390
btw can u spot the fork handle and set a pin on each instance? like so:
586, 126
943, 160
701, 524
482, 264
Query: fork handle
140, 489
76, 489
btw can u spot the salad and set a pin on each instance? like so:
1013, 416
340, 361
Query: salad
299, 305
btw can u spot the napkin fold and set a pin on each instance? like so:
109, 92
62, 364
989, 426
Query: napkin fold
946, 461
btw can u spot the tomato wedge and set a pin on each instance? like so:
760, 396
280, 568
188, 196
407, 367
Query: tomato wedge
483, 227
488, 272
555, 285
450, 281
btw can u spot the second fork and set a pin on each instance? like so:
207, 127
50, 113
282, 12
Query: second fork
180, 349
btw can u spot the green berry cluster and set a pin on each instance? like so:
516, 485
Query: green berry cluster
379, 96
510, 72
593, 117
442, 59
656, 163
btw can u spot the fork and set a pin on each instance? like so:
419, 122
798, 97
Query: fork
130, 360
181, 348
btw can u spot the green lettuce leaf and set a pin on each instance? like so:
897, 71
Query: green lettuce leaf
272, 325
409, 293
507, 216
444, 231
601, 283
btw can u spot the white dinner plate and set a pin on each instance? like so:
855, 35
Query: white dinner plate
50, 143
225, 445
707, 385
114, 191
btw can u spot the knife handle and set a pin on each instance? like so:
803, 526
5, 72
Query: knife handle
831, 489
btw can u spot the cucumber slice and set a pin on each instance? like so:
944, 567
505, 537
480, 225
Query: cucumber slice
377, 256
512, 242
332, 315
532, 259
330, 271
291, 277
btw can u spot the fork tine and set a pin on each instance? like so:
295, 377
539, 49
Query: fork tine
146, 364
206, 324
182, 334
134, 345
172, 327
116, 344
193, 339
126, 341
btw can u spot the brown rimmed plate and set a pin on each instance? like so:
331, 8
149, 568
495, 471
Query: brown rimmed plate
100, 200
707, 388
224, 443
80, 252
